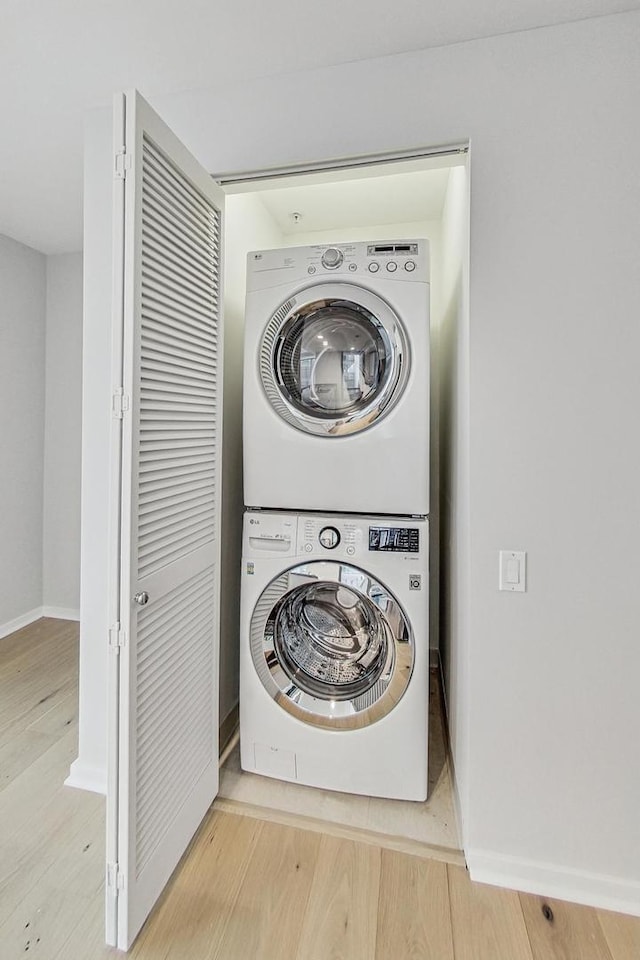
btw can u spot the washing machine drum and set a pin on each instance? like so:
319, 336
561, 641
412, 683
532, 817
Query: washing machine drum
333, 359
331, 645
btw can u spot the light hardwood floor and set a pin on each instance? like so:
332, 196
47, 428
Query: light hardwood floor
248, 889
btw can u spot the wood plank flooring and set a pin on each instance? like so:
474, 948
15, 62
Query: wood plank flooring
248, 889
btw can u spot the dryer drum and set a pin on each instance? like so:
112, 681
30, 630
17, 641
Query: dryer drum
331, 645
333, 358
334, 361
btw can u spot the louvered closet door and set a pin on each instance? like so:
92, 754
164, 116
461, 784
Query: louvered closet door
170, 530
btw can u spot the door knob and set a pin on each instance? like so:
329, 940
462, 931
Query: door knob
141, 598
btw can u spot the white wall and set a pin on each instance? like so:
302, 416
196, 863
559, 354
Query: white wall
453, 416
22, 377
248, 226
552, 789
89, 769
63, 394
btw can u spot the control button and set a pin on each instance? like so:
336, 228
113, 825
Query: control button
353, 267
332, 258
351, 551
374, 266
311, 269
410, 266
308, 547
392, 266
329, 537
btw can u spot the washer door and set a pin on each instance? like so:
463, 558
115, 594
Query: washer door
333, 359
331, 645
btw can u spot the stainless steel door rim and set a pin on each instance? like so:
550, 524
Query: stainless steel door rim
331, 645
333, 359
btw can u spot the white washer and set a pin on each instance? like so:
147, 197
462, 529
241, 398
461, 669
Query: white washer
336, 378
334, 662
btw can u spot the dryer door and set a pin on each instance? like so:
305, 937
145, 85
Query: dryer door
331, 645
333, 359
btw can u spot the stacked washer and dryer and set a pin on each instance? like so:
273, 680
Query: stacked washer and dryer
334, 661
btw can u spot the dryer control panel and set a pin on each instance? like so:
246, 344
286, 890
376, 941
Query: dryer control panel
400, 260
406, 260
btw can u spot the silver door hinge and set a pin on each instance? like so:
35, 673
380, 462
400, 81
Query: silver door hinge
115, 877
117, 636
122, 164
119, 403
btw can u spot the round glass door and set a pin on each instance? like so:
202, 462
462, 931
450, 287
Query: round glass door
333, 359
331, 645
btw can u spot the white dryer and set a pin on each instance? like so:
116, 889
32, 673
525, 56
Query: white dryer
336, 378
334, 662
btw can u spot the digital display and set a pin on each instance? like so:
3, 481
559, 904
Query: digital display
395, 539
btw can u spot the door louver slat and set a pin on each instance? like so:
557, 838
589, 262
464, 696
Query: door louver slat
160, 289
172, 448
165, 503
180, 289
160, 559
187, 265
176, 319
189, 231
159, 671
171, 544
161, 674
160, 621
159, 355
164, 262
186, 328
161, 343
172, 373
168, 459
170, 795
162, 777
177, 477
156, 161
155, 225
156, 513
167, 355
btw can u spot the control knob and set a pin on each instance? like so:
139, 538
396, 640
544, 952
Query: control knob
332, 258
329, 537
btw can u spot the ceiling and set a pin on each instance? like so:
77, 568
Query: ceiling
60, 58
368, 202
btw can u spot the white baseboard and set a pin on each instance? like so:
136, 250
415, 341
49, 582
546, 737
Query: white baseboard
19, 622
84, 777
551, 880
56, 613
61, 613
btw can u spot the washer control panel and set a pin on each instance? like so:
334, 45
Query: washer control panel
321, 535
394, 539
347, 538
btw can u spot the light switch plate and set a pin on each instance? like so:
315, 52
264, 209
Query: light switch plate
512, 571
